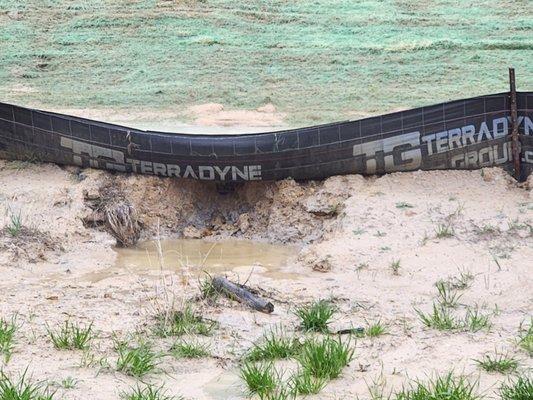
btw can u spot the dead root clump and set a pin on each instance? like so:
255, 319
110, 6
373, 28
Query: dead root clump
28, 243
111, 209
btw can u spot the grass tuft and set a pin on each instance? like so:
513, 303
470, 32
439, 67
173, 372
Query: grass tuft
519, 389
137, 360
189, 350
305, 383
499, 362
444, 231
260, 378
447, 296
395, 267
7, 337
181, 322
274, 345
70, 336
325, 358
148, 392
316, 317
15, 224
440, 318
525, 338
475, 321
447, 387
22, 389
207, 290
375, 329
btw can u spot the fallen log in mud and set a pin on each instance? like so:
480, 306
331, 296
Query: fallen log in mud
241, 294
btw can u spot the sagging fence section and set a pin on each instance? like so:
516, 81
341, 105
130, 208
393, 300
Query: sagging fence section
463, 134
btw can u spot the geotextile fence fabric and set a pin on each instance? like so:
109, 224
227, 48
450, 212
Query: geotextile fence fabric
462, 134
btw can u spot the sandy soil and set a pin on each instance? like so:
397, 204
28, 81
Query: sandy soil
350, 230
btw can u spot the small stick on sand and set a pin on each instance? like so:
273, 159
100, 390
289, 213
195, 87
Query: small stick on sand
242, 294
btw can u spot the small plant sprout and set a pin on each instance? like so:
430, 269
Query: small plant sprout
403, 204
70, 336
181, 322
22, 389
447, 296
15, 224
69, 383
7, 337
137, 360
377, 388
443, 231
316, 317
207, 290
375, 329
525, 338
148, 392
440, 318
358, 231
325, 358
260, 378
184, 349
475, 320
274, 345
395, 267
498, 362
304, 383
447, 387
520, 388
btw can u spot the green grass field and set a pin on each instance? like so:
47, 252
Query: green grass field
317, 61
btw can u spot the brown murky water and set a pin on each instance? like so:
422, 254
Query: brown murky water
196, 256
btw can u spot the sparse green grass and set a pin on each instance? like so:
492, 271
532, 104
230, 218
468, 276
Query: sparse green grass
325, 358
447, 387
207, 290
395, 267
487, 229
316, 317
7, 337
520, 388
447, 295
22, 389
15, 224
71, 335
403, 204
498, 362
181, 322
475, 320
440, 318
358, 231
136, 360
462, 281
260, 378
375, 329
148, 392
185, 349
305, 383
69, 383
274, 345
525, 338
443, 231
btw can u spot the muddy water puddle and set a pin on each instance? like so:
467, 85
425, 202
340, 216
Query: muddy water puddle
195, 256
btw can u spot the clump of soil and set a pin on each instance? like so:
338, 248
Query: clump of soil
26, 244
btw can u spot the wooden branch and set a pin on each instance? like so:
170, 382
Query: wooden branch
241, 294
